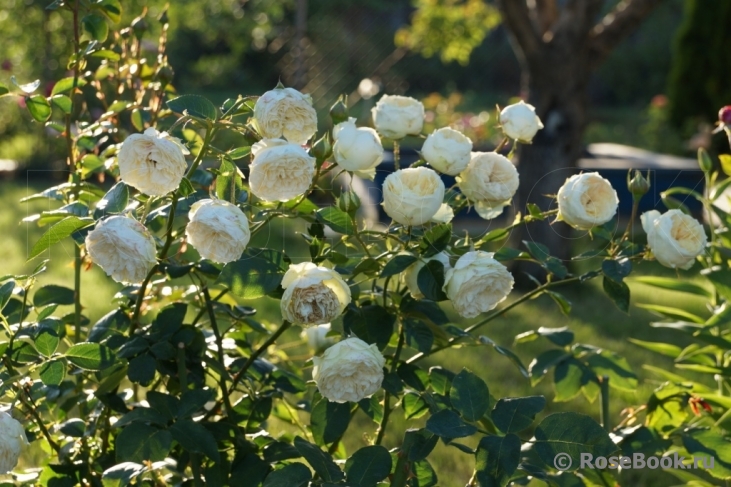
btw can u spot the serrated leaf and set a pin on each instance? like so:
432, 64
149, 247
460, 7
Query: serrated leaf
194, 437
194, 105
58, 232
292, 475
329, 420
618, 292
53, 294
431, 280
512, 415
469, 395
38, 107
115, 201
368, 466
436, 239
572, 434
397, 265
320, 461
90, 356
336, 219
497, 459
52, 372
447, 424
66, 84
95, 27
250, 277
371, 323
139, 442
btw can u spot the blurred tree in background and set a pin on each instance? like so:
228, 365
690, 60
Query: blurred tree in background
700, 80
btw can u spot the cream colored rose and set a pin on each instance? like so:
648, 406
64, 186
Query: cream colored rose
317, 338
357, 149
447, 150
152, 162
413, 196
520, 122
395, 116
349, 371
586, 201
123, 248
12, 442
280, 171
489, 182
675, 238
477, 283
313, 295
218, 230
285, 112
410, 276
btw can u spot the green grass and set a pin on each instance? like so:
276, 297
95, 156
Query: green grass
594, 320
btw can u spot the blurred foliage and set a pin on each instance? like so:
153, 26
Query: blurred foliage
700, 79
450, 28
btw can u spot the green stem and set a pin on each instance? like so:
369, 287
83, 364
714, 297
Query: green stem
396, 155
219, 345
402, 472
604, 391
77, 294
30, 404
387, 397
183, 378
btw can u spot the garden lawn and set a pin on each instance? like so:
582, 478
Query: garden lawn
593, 319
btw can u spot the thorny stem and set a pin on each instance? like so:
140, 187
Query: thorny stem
387, 396
30, 404
604, 389
183, 378
219, 345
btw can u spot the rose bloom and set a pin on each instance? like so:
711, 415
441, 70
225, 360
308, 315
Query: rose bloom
123, 248
587, 200
675, 238
444, 214
447, 150
317, 338
357, 149
313, 295
477, 283
280, 171
349, 371
218, 230
285, 112
490, 182
520, 122
12, 441
395, 116
413, 196
152, 162
411, 275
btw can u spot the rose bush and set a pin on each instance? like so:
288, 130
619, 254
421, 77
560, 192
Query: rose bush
183, 382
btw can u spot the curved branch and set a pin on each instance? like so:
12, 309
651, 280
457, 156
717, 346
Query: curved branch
617, 25
517, 19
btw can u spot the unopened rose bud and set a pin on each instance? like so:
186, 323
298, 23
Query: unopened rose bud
139, 26
724, 115
165, 74
638, 185
349, 202
251, 136
704, 160
163, 18
339, 111
322, 149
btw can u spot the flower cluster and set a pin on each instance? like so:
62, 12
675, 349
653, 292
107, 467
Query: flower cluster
282, 169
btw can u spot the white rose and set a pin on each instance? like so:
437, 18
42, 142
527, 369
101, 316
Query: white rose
444, 214
411, 275
317, 338
477, 283
123, 248
313, 295
396, 116
413, 196
520, 122
12, 441
152, 162
285, 112
280, 171
357, 149
349, 371
218, 230
490, 182
675, 238
586, 201
447, 150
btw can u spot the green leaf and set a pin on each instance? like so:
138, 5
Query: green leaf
505, 352
418, 444
141, 369
329, 420
431, 280
672, 313
572, 434
539, 251
122, 474
4, 90
543, 363
368, 466
447, 424
725, 163
111, 8
137, 120
6, 290
53, 372
397, 265
90, 356
617, 270
616, 368
371, 323
66, 84
436, 239
336, 219
419, 335
239, 153
709, 445
559, 336
320, 461
63, 102
563, 303
115, 201
47, 341
568, 379
58, 232
414, 406
512, 415
423, 474
38, 107
95, 27
618, 292
53, 294
229, 184
250, 277
292, 475
194, 437
194, 105
469, 395
721, 279
139, 442
497, 459
659, 347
